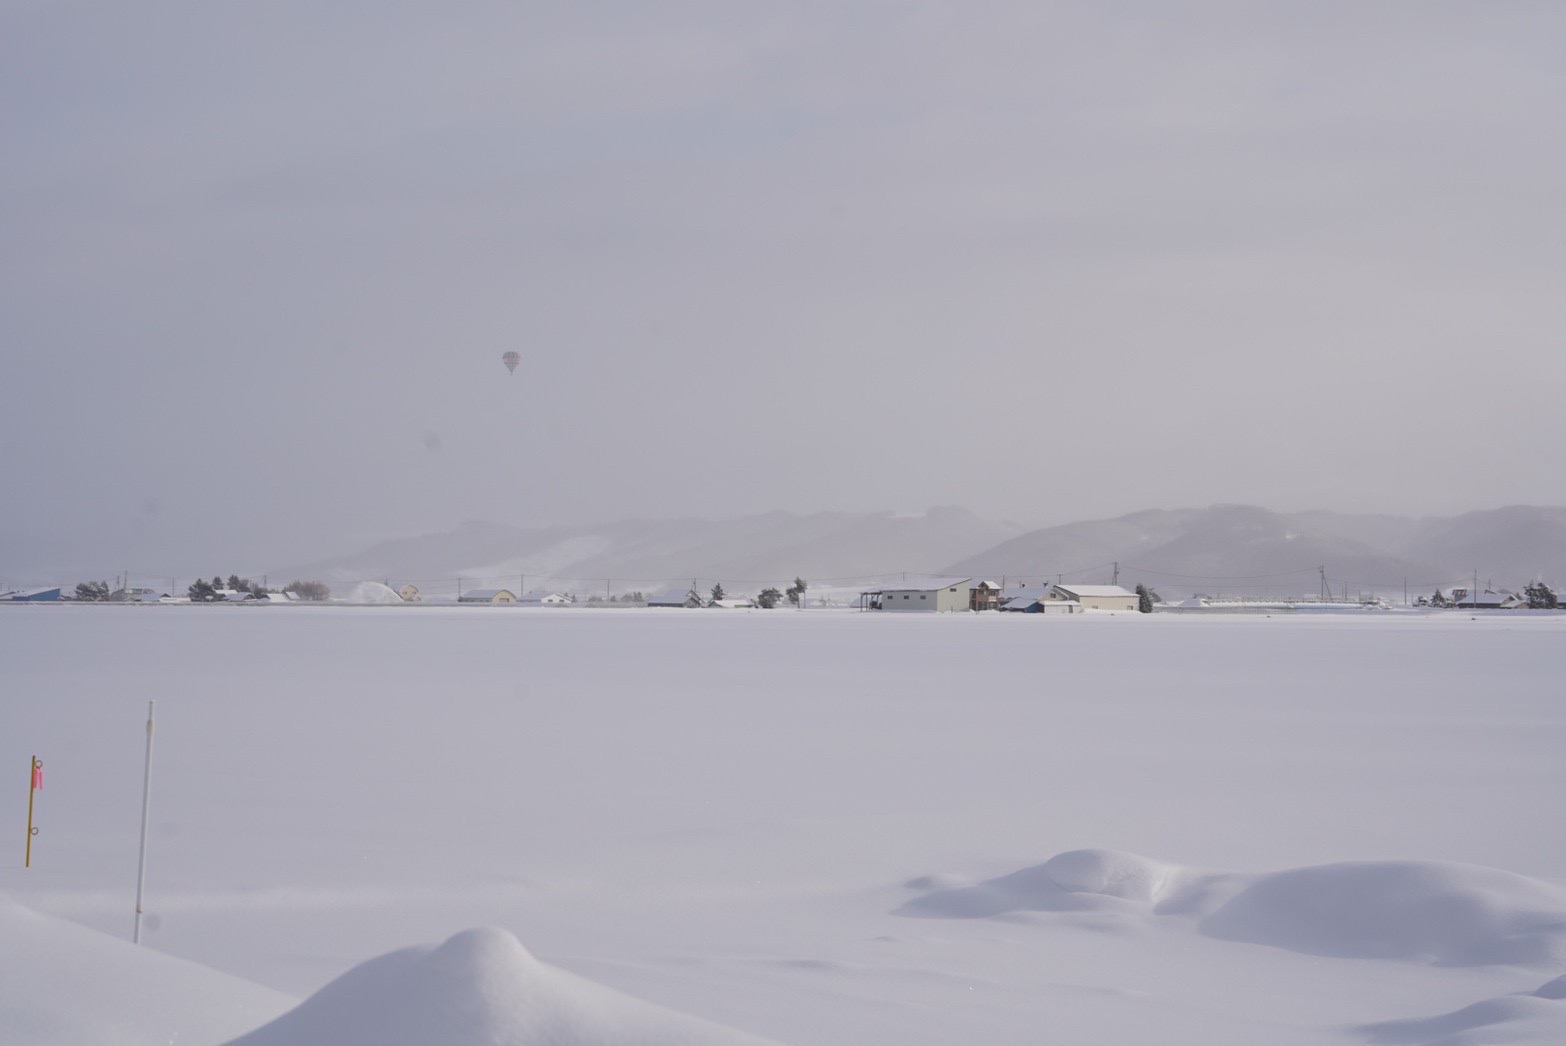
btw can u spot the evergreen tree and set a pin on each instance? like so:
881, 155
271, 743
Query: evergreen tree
202, 591
717, 592
768, 598
1145, 597
1541, 597
1438, 600
92, 591
796, 591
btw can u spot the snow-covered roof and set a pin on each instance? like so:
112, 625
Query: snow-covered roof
1097, 590
1019, 602
921, 584
27, 594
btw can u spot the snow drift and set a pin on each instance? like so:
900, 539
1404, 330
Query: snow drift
1536, 1016
1446, 914
65, 985
480, 988
1437, 913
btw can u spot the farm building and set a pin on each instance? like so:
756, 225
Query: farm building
935, 594
31, 595
1096, 597
488, 595
407, 591
540, 598
1037, 599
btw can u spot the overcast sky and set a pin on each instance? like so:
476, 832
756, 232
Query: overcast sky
1049, 261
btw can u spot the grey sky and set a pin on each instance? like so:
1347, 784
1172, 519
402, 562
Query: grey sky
1048, 261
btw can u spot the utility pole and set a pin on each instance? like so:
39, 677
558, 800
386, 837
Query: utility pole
1116, 579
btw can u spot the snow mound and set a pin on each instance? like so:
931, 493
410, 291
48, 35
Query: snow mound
1555, 989
62, 984
480, 988
1108, 872
1444, 914
1078, 880
1533, 1017
372, 592
1447, 914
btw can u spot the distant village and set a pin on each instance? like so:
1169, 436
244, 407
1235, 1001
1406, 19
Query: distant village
905, 594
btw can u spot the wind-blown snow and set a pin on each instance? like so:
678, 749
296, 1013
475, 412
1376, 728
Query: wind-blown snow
371, 593
480, 988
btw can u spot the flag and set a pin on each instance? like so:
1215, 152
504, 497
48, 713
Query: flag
37, 774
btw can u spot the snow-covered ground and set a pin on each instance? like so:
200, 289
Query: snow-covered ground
810, 827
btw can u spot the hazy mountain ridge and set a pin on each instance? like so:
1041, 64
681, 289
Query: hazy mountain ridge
1236, 548
652, 553
1250, 550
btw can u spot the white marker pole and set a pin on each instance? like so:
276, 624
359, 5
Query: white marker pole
146, 805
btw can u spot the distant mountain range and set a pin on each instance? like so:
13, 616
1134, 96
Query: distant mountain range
1242, 549
654, 555
1238, 549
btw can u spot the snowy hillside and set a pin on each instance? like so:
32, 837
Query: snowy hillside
1237, 549
773, 547
1250, 550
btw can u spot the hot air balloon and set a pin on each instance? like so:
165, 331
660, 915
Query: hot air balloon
511, 359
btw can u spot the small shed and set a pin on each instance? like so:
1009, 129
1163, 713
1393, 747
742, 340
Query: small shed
407, 591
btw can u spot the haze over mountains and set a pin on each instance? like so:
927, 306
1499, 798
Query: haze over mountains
1237, 548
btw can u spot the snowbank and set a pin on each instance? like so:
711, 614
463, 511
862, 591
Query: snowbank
1430, 912
1537, 1016
1446, 914
480, 988
65, 985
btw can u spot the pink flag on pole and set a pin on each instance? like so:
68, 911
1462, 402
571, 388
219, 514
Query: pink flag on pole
37, 774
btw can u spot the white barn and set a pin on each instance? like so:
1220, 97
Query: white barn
934, 594
1096, 597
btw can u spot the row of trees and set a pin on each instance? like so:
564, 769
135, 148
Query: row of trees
204, 591
766, 599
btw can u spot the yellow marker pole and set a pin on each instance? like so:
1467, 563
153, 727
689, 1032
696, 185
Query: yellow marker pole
32, 778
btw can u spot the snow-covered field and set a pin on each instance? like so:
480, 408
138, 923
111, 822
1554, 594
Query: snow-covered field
809, 827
